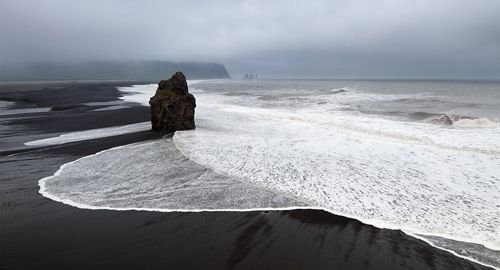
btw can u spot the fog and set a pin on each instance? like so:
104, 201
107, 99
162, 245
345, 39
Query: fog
318, 39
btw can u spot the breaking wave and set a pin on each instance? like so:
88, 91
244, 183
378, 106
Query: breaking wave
456, 120
339, 90
478, 122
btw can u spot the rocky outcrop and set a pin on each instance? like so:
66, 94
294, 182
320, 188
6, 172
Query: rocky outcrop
441, 119
172, 107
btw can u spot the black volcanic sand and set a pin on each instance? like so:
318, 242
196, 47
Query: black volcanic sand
38, 233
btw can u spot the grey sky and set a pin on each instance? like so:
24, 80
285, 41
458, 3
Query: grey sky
371, 38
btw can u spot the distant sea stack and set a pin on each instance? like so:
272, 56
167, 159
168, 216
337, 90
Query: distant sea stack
172, 106
250, 76
110, 70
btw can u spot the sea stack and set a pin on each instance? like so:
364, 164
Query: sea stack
172, 106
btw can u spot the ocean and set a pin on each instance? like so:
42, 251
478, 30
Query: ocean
418, 156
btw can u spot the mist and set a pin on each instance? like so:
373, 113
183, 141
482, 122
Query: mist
275, 39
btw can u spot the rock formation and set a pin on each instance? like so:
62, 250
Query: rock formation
441, 119
172, 106
250, 76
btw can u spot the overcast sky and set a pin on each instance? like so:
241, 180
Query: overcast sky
371, 38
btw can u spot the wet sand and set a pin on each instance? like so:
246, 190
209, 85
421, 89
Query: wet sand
38, 233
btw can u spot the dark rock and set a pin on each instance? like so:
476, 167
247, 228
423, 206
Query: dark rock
172, 107
441, 119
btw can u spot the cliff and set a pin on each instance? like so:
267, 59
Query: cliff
111, 70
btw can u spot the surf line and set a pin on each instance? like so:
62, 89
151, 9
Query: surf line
376, 223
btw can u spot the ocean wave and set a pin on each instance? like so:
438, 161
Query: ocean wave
196, 90
339, 90
456, 120
418, 98
424, 115
477, 122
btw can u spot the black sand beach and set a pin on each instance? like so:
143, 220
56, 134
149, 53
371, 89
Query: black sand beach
38, 233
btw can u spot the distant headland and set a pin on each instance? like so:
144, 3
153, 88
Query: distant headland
111, 70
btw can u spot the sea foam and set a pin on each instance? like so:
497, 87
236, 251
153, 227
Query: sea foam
431, 181
153, 175
441, 183
91, 134
143, 92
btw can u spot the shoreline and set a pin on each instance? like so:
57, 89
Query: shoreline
34, 215
377, 224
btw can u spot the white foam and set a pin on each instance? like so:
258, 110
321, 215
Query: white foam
422, 178
418, 177
105, 103
479, 122
408, 183
142, 93
138, 93
91, 134
154, 176
150, 176
111, 108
